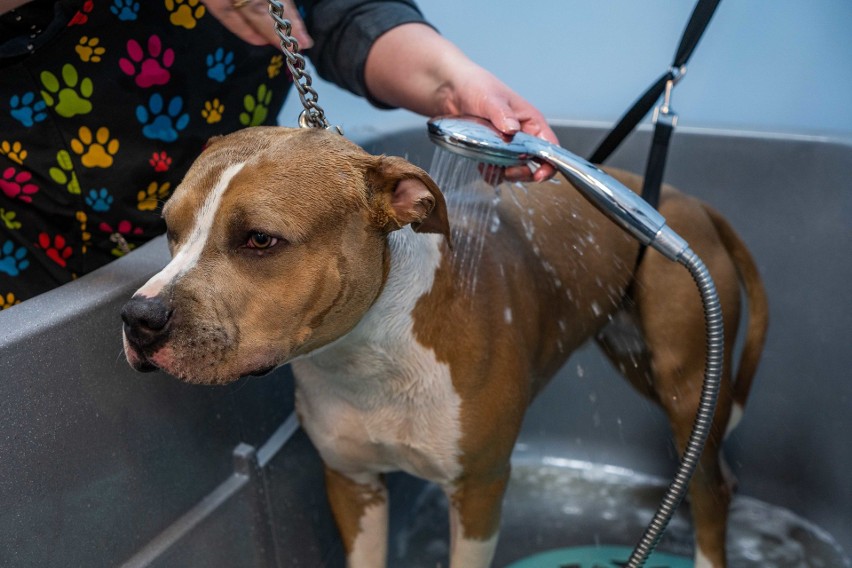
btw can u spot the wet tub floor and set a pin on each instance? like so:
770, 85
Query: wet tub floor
555, 503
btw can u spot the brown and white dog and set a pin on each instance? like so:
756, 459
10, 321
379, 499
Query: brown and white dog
294, 245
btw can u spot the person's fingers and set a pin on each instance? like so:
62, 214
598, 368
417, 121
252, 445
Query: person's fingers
250, 20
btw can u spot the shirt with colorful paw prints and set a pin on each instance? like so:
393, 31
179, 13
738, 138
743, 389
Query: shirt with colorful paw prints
103, 106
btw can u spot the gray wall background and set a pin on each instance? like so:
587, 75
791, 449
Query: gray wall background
776, 65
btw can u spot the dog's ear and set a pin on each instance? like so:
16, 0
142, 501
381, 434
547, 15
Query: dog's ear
407, 195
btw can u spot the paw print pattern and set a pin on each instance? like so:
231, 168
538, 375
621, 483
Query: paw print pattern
185, 13
89, 49
212, 111
13, 260
220, 64
160, 122
118, 235
126, 10
256, 108
8, 301
69, 98
26, 109
14, 151
55, 248
99, 200
95, 151
64, 174
82, 15
8, 218
85, 236
149, 199
149, 69
274, 67
160, 161
16, 185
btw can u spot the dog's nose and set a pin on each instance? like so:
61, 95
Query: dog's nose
146, 320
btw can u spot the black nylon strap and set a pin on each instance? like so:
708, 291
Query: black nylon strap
694, 30
654, 169
630, 119
698, 22
656, 163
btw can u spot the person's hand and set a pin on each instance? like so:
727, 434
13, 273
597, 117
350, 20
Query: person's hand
438, 79
250, 20
479, 93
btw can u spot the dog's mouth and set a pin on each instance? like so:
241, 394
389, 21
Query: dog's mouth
164, 359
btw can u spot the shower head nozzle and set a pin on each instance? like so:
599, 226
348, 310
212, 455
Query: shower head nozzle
477, 139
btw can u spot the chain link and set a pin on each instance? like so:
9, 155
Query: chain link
313, 116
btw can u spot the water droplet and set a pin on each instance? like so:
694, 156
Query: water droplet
596, 309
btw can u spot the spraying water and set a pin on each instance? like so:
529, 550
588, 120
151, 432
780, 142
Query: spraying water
472, 199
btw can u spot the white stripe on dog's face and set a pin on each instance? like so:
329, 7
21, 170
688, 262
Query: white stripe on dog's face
187, 256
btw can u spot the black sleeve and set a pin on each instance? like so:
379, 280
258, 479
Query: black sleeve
343, 33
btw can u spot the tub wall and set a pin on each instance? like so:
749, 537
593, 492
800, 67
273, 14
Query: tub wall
112, 466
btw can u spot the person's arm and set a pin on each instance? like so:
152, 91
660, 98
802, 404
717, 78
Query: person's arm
6, 5
414, 67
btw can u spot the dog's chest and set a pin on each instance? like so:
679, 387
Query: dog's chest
377, 415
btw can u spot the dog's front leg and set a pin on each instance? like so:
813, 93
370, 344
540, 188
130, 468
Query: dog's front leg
360, 507
475, 507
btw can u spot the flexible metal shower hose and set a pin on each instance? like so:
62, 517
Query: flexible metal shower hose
703, 418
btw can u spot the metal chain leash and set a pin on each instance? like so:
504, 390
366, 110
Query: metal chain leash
313, 116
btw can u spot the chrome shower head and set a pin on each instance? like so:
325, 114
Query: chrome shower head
478, 140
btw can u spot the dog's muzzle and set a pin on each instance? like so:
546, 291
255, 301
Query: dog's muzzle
146, 327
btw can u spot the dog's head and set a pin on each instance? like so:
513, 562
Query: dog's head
278, 242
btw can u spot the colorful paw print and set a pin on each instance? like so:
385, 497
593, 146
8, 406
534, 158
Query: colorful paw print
185, 13
64, 174
14, 151
160, 122
126, 10
256, 108
8, 218
99, 200
149, 199
26, 109
13, 260
89, 49
117, 235
220, 64
160, 161
69, 98
149, 69
8, 301
55, 248
82, 15
212, 111
274, 67
85, 236
16, 185
95, 151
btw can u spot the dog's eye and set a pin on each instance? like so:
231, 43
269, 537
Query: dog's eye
259, 240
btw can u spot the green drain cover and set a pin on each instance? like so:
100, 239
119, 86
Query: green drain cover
597, 557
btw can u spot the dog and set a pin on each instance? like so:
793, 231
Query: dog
295, 245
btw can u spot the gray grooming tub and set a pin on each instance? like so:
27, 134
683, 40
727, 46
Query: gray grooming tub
102, 466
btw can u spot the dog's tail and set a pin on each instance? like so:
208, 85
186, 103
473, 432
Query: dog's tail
758, 308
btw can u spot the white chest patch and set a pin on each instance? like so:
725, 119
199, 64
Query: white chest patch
376, 400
